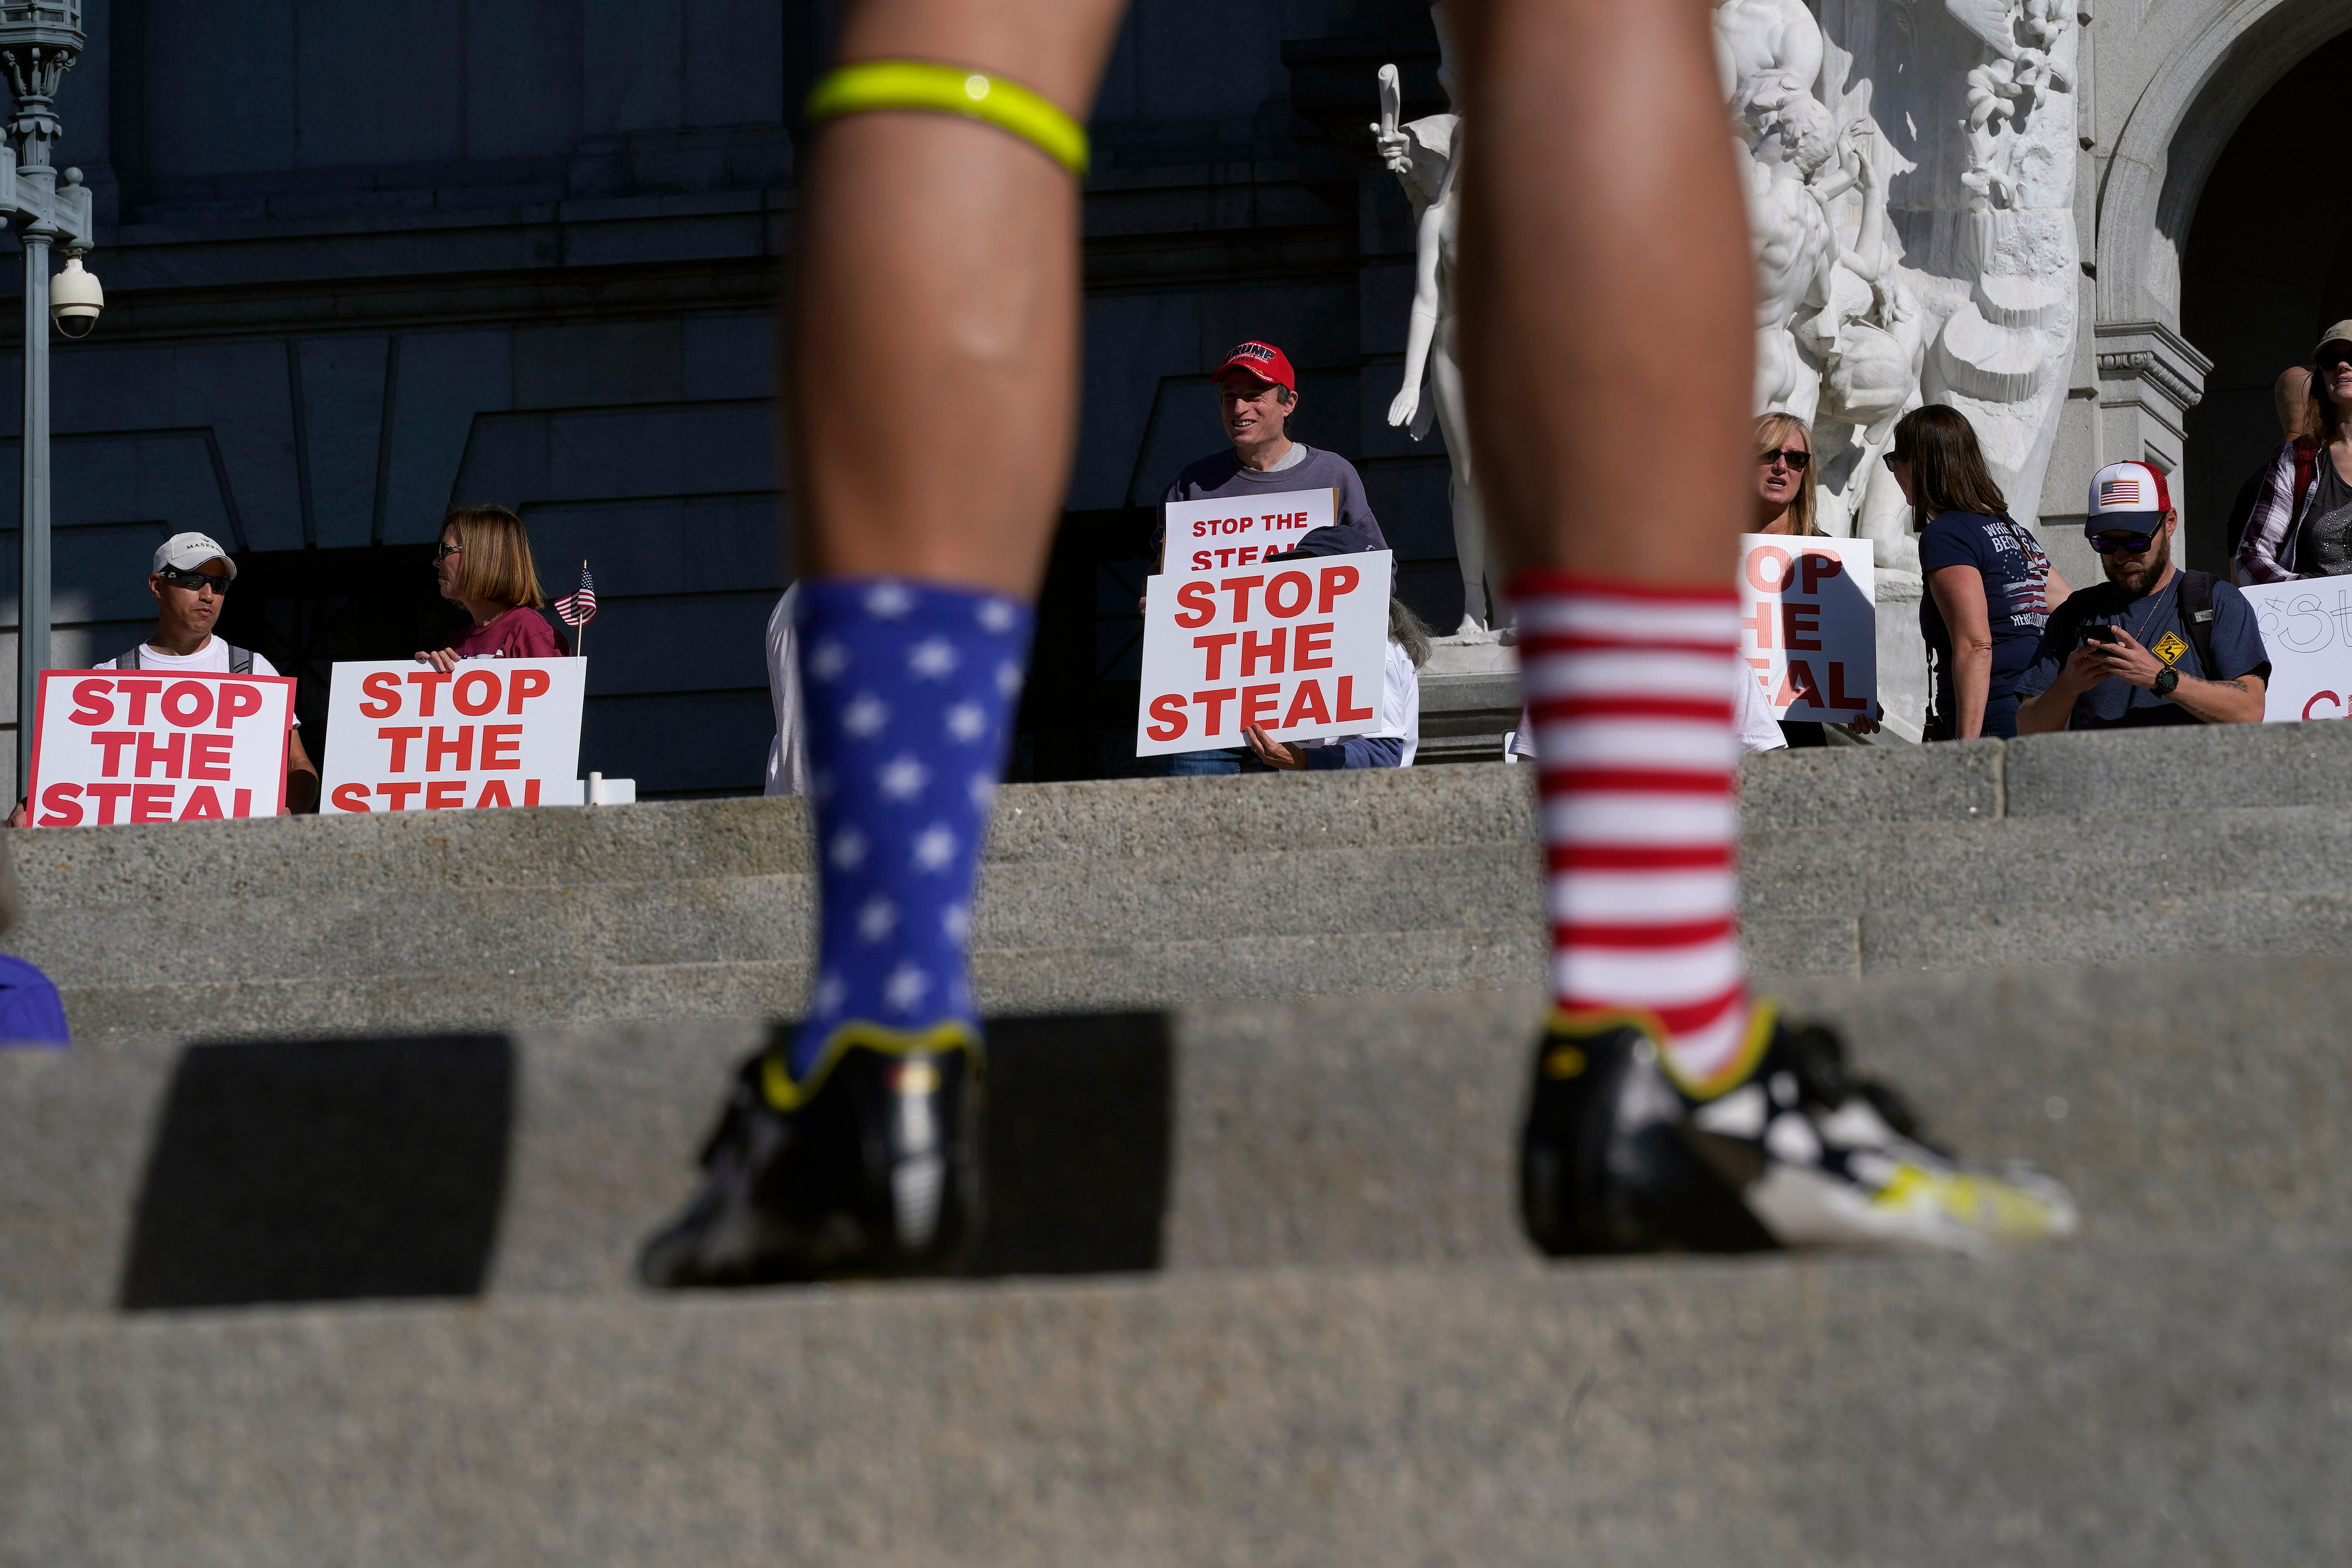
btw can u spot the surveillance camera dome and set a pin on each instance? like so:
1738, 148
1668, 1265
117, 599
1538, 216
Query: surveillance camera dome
75, 300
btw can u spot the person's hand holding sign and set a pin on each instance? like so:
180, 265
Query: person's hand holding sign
1273, 754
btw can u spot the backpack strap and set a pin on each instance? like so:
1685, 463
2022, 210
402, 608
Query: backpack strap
2195, 602
128, 660
240, 661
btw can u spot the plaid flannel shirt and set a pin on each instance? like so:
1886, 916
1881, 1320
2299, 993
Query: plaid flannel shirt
2266, 554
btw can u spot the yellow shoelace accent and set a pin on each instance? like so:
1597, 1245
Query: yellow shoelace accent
866, 86
1568, 1024
786, 1093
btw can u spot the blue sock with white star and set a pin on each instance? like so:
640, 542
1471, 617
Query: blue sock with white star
907, 689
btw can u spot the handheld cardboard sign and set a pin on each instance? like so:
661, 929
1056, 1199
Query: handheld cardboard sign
493, 731
158, 746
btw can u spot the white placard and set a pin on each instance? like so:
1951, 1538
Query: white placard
148, 746
1297, 649
1234, 531
491, 732
2306, 630
1808, 625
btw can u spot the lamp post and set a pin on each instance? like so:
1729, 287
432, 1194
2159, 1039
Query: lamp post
39, 42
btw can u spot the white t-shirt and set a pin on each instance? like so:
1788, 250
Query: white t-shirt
1751, 716
212, 658
1399, 707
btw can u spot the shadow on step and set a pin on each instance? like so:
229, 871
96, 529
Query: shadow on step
324, 1171
343, 1169
1081, 1130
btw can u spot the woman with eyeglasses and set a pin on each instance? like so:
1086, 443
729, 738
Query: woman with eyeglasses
2300, 525
1991, 588
484, 563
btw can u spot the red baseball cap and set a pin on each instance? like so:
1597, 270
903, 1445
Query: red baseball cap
1262, 361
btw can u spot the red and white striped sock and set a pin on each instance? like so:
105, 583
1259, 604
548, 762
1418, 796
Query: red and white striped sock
1629, 691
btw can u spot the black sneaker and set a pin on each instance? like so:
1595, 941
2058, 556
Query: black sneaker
871, 1166
1615, 1158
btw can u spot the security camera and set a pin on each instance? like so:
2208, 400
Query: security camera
75, 300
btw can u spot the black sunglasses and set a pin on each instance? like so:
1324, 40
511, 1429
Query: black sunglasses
195, 582
2129, 543
1892, 459
1789, 455
2329, 361
443, 552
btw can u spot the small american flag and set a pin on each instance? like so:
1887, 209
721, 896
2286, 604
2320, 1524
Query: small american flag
578, 609
2119, 492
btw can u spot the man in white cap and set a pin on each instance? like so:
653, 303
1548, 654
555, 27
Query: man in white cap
2151, 645
189, 581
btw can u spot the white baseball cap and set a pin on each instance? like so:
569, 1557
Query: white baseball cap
186, 552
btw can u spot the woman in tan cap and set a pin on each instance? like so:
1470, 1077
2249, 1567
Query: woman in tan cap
2302, 522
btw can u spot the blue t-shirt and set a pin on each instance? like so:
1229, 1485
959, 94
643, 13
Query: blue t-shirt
2154, 620
2016, 583
31, 1011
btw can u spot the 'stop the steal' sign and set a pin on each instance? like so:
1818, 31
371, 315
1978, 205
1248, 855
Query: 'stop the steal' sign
2306, 627
1297, 648
497, 731
1807, 624
1206, 536
140, 747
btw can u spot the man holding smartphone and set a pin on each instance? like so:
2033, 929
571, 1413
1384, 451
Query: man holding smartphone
2151, 645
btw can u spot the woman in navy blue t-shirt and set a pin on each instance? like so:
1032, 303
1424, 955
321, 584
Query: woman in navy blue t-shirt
1989, 588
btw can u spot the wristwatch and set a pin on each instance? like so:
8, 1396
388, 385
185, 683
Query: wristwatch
2167, 681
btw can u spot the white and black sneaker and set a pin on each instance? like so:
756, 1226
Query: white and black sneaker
1614, 1157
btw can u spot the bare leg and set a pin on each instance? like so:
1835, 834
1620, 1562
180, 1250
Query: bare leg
935, 366
1607, 312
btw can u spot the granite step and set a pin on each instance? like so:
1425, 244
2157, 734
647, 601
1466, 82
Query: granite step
1371, 1130
2140, 1405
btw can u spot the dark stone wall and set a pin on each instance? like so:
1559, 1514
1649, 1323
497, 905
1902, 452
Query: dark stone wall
366, 261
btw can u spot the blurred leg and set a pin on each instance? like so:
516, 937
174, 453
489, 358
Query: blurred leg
932, 395
1607, 339
934, 361
1608, 316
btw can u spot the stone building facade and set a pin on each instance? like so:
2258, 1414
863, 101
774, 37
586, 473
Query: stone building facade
364, 262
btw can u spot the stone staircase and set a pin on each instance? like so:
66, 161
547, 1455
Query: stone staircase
350, 1284
1858, 860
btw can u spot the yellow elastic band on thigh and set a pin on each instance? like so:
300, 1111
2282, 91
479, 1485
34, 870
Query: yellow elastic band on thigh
868, 85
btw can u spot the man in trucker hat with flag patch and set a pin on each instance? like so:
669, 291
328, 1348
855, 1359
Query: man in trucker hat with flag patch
2153, 643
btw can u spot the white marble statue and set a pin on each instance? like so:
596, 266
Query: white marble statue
1426, 158
1910, 175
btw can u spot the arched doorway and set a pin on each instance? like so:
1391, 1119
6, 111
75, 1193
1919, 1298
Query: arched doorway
2267, 268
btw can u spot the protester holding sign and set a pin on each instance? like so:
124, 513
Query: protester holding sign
192, 579
1990, 586
1257, 393
2151, 645
484, 563
1785, 504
